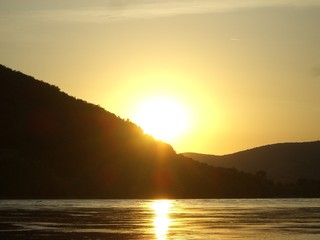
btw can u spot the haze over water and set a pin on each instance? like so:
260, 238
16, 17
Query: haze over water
277, 219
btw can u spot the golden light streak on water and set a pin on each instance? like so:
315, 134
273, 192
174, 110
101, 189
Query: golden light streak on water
162, 219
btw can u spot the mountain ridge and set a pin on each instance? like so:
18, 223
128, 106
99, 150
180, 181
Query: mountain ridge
300, 159
53, 145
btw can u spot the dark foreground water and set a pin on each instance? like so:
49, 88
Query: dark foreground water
160, 219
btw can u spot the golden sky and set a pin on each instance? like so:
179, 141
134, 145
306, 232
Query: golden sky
247, 72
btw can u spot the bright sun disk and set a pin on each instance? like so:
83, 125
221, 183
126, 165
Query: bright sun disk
163, 118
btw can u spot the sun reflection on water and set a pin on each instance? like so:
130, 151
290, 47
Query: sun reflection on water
161, 220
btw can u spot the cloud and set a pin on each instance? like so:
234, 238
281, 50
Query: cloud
115, 10
235, 39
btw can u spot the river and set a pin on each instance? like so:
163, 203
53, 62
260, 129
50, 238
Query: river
218, 219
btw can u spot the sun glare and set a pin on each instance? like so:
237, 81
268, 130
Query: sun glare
161, 220
163, 118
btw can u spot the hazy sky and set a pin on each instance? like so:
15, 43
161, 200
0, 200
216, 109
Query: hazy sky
248, 70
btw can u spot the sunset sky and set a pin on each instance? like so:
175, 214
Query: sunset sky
245, 73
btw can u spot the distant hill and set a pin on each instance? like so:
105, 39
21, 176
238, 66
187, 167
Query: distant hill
53, 145
283, 162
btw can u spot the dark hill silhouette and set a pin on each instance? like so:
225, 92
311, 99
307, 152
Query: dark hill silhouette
53, 145
283, 162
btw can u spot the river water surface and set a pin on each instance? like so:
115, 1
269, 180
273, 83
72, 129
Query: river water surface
276, 219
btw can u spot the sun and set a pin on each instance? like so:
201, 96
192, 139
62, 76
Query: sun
163, 118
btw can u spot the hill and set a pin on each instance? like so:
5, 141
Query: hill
53, 145
283, 162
